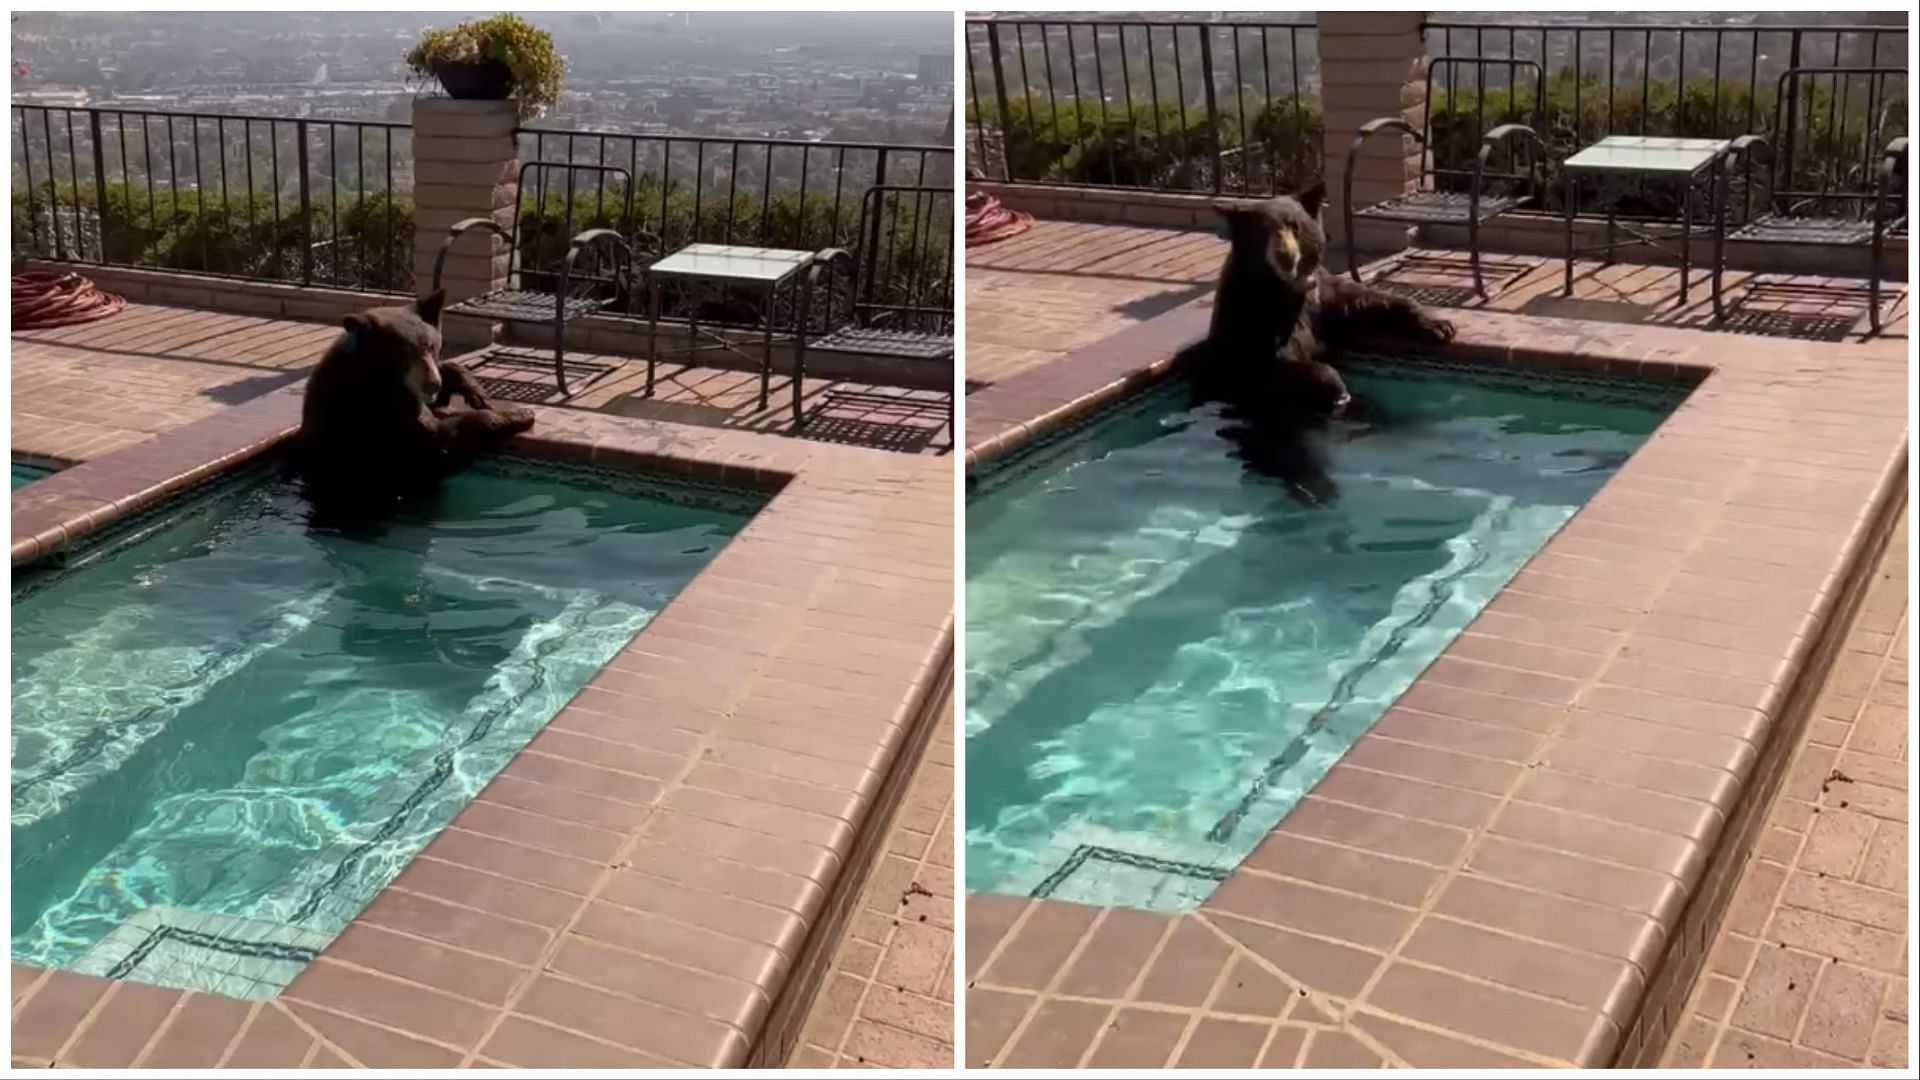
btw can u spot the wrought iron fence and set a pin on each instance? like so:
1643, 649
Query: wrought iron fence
680, 189
307, 200
1222, 107
329, 202
1722, 82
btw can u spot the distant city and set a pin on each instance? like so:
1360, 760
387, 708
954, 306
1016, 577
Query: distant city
882, 77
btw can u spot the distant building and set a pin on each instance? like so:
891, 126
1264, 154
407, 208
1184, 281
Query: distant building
935, 69
57, 97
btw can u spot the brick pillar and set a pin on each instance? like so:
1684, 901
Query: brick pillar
466, 163
1372, 64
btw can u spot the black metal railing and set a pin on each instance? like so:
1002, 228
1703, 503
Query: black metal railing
307, 200
704, 189
672, 190
1685, 80
1224, 107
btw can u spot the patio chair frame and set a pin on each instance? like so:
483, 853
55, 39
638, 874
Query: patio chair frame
1427, 204
530, 305
866, 331
1776, 222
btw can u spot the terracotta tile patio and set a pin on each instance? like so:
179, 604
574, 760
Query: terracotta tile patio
82, 391
649, 882
888, 1002
1526, 870
1810, 968
1063, 285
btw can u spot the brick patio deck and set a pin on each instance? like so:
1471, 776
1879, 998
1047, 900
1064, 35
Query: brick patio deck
1524, 863
888, 1002
1810, 968
1064, 285
83, 391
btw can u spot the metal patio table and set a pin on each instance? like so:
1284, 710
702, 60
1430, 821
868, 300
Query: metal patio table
767, 271
1618, 160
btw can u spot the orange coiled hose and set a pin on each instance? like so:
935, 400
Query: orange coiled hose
988, 221
46, 298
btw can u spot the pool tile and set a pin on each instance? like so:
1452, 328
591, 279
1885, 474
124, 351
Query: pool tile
402, 1005
1189, 964
1057, 1036
1339, 1050
1116, 953
1041, 945
271, 1040
1251, 990
371, 1046
131, 1015
198, 1033
1218, 1043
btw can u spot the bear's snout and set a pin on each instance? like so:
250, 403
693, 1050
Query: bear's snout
424, 378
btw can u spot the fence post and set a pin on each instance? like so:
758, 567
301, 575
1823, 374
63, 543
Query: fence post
1785, 140
306, 205
1213, 108
1372, 65
1000, 96
99, 181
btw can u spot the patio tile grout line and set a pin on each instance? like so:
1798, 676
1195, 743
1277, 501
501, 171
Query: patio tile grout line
881, 852
1726, 1022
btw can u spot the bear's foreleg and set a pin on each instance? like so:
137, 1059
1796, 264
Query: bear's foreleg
1352, 313
456, 379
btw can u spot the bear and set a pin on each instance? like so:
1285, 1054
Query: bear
378, 422
1279, 325
1274, 301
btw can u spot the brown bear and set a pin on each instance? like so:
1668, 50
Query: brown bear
378, 422
1278, 320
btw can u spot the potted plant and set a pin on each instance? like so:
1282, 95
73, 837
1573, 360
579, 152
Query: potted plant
492, 59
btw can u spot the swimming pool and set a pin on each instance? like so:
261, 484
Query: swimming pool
1165, 650
27, 470
230, 730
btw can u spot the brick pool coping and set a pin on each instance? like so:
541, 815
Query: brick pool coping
659, 877
1523, 862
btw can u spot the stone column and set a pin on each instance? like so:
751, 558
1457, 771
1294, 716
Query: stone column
1372, 64
466, 163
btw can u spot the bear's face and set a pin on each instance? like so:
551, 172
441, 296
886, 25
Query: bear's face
403, 342
1284, 232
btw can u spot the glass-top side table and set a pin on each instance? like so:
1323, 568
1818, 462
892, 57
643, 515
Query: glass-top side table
767, 271
1617, 159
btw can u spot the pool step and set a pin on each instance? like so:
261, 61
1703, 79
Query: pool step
190, 950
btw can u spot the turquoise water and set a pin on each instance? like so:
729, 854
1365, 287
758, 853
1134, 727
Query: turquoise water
26, 472
231, 730
1165, 650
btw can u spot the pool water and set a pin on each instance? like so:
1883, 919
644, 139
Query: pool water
26, 472
1165, 649
230, 730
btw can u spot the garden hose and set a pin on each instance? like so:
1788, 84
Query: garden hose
988, 221
44, 298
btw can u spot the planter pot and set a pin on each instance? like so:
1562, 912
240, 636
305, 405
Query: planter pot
482, 80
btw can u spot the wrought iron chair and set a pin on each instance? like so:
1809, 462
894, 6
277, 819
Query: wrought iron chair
899, 285
548, 284
1821, 200
1451, 192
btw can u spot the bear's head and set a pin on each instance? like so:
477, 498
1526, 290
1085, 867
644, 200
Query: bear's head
1283, 232
403, 342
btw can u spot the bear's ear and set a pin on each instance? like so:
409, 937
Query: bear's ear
429, 307
355, 323
1313, 197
